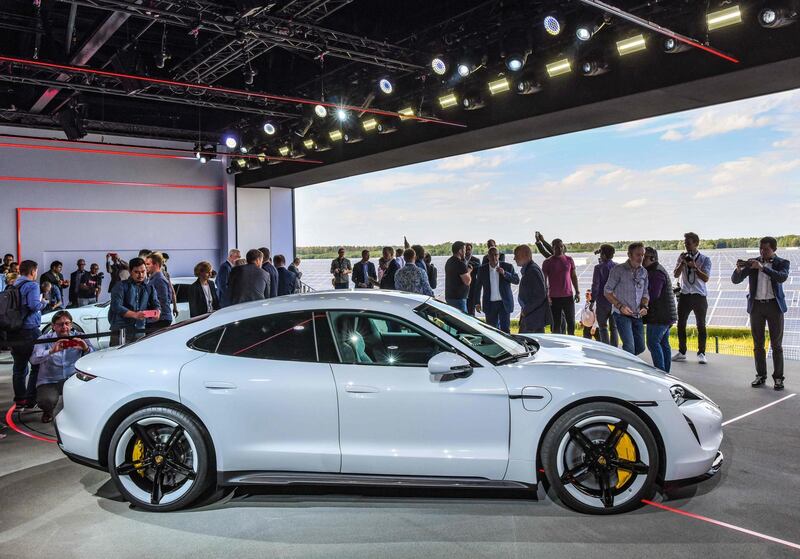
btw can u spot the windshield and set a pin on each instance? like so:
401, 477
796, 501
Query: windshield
493, 344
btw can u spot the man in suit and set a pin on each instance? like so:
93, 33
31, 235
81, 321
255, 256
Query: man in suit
268, 267
495, 279
473, 263
287, 281
222, 276
532, 293
766, 304
249, 282
364, 274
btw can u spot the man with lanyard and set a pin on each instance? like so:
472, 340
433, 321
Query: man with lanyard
693, 269
627, 291
31, 304
129, 301
341, 270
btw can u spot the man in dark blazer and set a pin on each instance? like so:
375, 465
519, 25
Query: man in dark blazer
495, 279
532, 296
268, 267
766, 304
287, 281
364, 274
474, 263
249, 282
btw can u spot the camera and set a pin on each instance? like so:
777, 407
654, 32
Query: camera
687, 258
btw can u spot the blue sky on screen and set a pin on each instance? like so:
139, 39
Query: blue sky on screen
724, 171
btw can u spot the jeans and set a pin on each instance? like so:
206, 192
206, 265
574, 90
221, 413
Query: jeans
460, 304
21, 354
658, 344
341, 285
563, 306
769, 314
497, 316
686, 305
631, 331
606, 321
83, 302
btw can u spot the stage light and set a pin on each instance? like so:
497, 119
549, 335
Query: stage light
773, 18
526, 87
253, 164
516, 61
352, 136
209, 153
197, 149
473, 102
593, 68
284, 150
552, 25
499, 86
335, 135
308, 143
161, 59
269, 129
631, 45
674, 46
448, 100
386, 128
341, 114
584, 33
321, 145
231, 142
320, 111
297, 153
406, 113
304, 126
386, 86
370, 124
439, 66
559, 67
724, 18
249, 74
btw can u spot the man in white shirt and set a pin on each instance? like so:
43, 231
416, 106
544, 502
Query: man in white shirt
694, 271
495, 278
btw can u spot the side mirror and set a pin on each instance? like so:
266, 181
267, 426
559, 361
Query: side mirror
446, 363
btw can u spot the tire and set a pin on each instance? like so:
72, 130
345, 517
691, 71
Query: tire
177, 455
581, 456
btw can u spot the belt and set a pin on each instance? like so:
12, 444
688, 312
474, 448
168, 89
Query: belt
764, 300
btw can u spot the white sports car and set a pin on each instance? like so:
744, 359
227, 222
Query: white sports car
380, 388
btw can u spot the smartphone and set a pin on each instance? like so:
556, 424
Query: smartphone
150, 314
71, 343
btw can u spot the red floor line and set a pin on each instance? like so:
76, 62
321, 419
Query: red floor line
723, 524
10, 422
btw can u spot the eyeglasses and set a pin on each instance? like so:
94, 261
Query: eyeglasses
63, 323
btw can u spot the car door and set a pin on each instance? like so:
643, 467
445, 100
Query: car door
267, 400
395, 418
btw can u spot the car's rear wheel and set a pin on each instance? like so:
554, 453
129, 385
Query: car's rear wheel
601, 458
159, 459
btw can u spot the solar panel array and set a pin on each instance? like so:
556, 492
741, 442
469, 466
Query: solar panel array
726, 301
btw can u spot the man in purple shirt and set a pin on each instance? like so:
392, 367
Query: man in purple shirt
562, 288
603, 307
662, 312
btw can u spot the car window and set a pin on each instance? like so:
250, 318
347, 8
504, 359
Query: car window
375, 339
283, 337
207, 341
326, 348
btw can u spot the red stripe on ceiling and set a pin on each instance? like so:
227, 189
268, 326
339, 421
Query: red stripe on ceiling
75, 210
108, 183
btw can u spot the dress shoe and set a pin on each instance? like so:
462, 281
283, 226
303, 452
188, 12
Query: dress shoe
778, 384
47, 418
758, 382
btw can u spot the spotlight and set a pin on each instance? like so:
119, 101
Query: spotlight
369, 124
499, 86
584, 32
386, 86
552, 25
161, 59
71, 120
243, 149
674, 46
448, 100
724, 18
465, 68
335, 135
515, 62
438, 65
406, 113
284, 150
516, 48
308, 143
269, 129
231, 142
304, 126
250, 74
209, 152
198, 148
321, 145
341, 114
773, 18
631, 45
352, 136
320, 111
472, 102
526, 87
593, 68
386, 127
559, 67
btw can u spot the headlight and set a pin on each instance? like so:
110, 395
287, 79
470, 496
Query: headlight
680, 394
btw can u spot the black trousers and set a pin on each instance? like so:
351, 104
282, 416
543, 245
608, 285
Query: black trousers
48, 396
769, 314
699, 305
24, 383
563, 315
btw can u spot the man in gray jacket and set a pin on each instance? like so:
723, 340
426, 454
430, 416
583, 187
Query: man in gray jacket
249, 282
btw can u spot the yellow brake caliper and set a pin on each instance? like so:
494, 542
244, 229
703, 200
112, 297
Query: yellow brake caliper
625, 451
137, 455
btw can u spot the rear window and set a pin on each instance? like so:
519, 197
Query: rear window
282, 337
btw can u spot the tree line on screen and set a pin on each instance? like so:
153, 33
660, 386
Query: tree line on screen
443, 249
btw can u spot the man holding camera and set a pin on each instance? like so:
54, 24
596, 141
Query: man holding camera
694, 270
766, 305
341, 270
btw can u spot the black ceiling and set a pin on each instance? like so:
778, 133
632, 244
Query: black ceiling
337, 50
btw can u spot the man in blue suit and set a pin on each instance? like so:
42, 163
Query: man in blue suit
766, 304
535, 312
268, 267
495, 279
287, 281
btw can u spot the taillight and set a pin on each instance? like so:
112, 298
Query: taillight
85, 377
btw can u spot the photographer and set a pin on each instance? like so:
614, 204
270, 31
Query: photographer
117, 268
766, 304
56, 361
693, 269
133, 303
89, 286
341, 270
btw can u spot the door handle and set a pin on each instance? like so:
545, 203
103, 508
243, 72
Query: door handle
360, 389
218, 385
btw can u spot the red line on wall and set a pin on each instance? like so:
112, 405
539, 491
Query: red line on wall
109, 183
95, 151
75, 210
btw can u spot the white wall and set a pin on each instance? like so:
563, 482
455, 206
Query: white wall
252, 218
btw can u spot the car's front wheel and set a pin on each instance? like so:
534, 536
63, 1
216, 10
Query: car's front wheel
159, 459
601, 458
